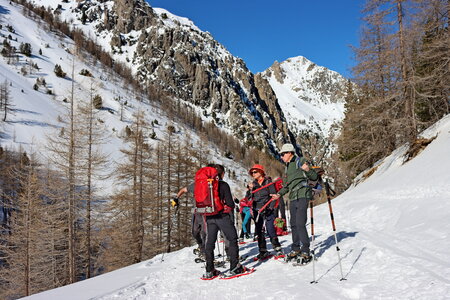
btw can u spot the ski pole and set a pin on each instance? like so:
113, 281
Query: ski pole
223, 248
169, 229
329, 191
263, 208
312, 242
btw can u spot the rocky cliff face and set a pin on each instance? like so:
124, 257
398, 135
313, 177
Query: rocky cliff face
172, 53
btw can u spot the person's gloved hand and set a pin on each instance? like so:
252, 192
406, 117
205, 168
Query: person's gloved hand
227, 209
174, 201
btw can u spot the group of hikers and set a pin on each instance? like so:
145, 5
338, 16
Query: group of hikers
260, 204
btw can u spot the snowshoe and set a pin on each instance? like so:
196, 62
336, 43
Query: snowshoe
210, 275
293, 255
279, 253
240, 270
303, 260
219, 264
243, 257
199, 260
263, 255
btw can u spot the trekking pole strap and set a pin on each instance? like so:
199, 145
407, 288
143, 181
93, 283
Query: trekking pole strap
329, 190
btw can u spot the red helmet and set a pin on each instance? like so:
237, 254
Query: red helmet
259, 168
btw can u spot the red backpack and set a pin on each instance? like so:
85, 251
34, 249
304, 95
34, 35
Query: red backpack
206, 192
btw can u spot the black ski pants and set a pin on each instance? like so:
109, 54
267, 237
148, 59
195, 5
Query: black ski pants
224, 223
300, 237
198, 231
267, 217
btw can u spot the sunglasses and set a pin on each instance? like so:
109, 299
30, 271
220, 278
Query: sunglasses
284, 153
254, 172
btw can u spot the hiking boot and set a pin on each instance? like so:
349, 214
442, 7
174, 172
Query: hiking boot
247, 236
255, 238
304, 258
279, 251
238, 270
197, 251
306, 255
201, 255
210, 275
241, 240
293, 254
263, 255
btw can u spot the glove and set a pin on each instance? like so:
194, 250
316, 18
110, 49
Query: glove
174, 201
227, 209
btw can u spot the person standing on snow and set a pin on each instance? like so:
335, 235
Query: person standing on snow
223, 222
198, 232
260, 197
246, 213
297, 173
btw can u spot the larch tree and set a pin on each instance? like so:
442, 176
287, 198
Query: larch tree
129, 204
5, 99
93, 162
63, 150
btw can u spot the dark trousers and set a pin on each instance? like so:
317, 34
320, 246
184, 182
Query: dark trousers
224, 223
300, 237
198, 232
280, 211
266, 219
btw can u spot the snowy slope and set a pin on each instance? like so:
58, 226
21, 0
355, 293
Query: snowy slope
35, 114
310, 96
394, 237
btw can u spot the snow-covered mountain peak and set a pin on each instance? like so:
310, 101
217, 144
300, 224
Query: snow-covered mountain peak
311, 96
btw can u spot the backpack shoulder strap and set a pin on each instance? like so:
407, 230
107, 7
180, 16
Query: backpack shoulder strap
297, 163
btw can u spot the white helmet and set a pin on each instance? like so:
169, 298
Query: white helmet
287, 148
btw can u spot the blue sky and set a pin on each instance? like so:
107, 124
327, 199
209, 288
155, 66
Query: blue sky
261, 32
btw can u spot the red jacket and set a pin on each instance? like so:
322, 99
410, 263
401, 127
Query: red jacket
245, 202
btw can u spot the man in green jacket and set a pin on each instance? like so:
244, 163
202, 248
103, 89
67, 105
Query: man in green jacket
297, 173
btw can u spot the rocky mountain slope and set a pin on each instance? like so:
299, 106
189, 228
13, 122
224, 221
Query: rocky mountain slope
172, 54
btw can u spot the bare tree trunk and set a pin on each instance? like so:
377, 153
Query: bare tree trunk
407, 91
71, 177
